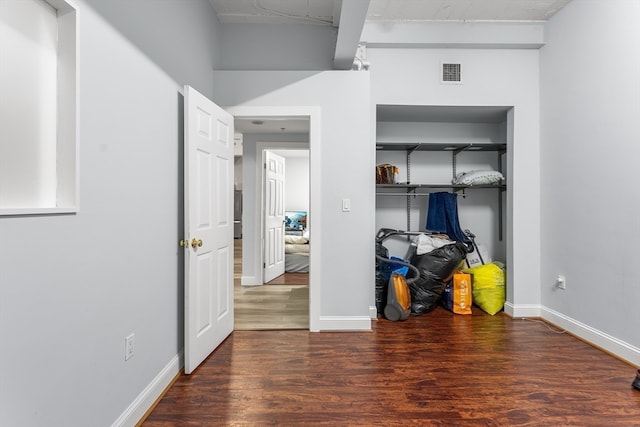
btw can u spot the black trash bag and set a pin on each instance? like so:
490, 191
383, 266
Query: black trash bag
382, 278
436, 270
381, 290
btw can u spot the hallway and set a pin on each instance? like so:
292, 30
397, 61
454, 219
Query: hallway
278, 305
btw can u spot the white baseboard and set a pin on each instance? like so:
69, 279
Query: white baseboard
522, 310
608, 343
373, 312
345, 323
150, 394
249, 281
599, 339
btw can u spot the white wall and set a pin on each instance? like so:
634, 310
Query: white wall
183, 39
297, 184
590, 88
73, 286
343, 266
492, 77
277, 47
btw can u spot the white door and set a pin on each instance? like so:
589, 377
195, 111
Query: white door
208, 217
273, 216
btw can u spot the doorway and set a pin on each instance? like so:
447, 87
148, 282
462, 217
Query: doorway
273, 129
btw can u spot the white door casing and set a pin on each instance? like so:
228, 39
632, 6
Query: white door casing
313, 113
208, 217
274, 194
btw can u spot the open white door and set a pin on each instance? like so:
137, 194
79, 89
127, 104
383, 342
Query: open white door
273, 216
208, 217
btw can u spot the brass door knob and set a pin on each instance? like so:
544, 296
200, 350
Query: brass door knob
196, 242
184, 243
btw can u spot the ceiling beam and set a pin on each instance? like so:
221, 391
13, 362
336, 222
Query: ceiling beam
353, 15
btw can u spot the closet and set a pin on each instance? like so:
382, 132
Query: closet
430, 146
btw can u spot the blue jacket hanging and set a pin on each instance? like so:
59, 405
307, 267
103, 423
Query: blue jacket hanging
442, 216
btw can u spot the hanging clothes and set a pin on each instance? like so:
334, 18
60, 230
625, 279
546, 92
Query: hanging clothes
442, 216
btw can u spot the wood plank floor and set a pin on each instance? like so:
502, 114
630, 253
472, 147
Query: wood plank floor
438, 369
283, 303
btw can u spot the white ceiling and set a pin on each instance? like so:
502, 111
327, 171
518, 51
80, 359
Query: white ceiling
271, 125
327, 12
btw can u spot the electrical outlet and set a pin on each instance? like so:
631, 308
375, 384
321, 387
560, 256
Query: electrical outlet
129, 346
561, 282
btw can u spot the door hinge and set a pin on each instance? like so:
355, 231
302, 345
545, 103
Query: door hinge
264, 265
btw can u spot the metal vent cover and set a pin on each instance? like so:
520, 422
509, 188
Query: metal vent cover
451, 73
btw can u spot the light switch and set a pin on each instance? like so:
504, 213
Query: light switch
346, 205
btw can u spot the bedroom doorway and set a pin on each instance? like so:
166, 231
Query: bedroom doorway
286, 216
279, 303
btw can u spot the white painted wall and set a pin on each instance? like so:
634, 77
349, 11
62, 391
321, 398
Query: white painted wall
590, 89
277, 47
184, 39
492, 77
297, 184
73, 286
345, 263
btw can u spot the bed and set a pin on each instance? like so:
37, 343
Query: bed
296, 242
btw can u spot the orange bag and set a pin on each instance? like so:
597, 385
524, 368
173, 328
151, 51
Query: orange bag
462, 296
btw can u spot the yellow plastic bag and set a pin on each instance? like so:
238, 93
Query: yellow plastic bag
488, 287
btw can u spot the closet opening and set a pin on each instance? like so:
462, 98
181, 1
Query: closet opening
427, 155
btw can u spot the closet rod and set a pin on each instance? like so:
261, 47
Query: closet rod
463, 195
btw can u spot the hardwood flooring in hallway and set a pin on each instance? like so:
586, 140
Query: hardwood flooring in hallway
283, 304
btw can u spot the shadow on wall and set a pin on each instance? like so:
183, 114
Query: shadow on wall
162, 29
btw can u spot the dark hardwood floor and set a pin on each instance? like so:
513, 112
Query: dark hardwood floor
438, 369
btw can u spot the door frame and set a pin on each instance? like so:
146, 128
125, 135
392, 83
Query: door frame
315, 213
263, 147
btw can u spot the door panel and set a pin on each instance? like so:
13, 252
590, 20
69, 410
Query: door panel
274, 216
208, 225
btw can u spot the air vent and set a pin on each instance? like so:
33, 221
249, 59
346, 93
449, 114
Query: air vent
451, 73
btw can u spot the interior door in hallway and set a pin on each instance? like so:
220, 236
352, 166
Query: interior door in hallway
208, 217
273, 216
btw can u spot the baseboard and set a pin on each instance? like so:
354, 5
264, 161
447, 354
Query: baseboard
345, 323
150, 394
373, 312
249, 281
599, 339
522, 310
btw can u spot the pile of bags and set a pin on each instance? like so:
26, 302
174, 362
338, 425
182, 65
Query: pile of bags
445, 280
483, 286
442, 272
